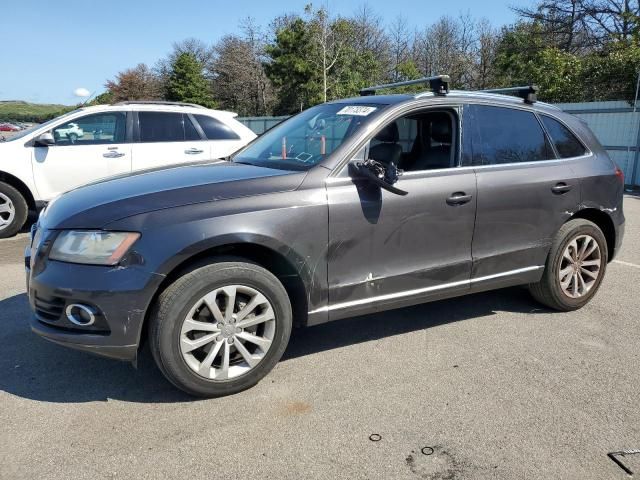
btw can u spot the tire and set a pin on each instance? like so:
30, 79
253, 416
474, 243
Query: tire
185, 303
13, 210
549, 290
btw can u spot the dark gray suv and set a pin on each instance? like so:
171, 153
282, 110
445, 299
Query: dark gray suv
350, 207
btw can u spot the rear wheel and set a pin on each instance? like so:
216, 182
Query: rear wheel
13, 210
575, 267
220, 328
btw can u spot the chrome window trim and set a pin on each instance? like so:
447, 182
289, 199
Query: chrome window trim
418, 291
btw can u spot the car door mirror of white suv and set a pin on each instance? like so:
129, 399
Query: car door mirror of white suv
44, 140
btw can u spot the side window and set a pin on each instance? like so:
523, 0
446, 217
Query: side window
504, 135
214, 129
190, 132
419, 141
565, 142
165, 127
96, 129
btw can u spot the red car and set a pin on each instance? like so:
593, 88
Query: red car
8, 127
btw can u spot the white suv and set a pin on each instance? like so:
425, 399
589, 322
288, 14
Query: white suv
91, 143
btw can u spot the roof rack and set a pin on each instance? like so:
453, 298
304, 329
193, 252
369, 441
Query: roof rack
159, 102
528, 93
439, 85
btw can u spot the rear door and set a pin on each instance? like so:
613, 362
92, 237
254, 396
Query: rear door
524, 192
222, 140
86, 149
166, 138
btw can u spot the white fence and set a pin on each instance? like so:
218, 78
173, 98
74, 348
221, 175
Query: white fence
617, 126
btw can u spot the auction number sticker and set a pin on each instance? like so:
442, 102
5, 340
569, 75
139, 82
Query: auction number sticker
360, 111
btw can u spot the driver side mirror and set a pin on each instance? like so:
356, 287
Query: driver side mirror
44, 140
378, 173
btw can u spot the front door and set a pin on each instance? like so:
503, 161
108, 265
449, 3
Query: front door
387, 250
86, 149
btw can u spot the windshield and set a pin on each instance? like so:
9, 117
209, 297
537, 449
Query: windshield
29, 130
308, 138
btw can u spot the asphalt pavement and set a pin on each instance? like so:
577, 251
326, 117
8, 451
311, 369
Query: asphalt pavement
485, 386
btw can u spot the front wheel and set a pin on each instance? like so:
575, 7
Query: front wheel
220, 328
13, 210
575, 267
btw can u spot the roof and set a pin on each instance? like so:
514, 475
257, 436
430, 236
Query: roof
156, 107
453, 94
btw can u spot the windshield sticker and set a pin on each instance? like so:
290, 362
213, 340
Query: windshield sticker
356, 110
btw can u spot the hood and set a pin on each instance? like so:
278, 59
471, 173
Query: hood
103, 202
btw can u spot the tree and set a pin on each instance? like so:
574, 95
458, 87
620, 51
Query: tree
137, 83
398, 46
291, 70
186, 82
240, 81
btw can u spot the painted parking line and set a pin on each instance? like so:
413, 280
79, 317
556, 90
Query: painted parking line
628, 264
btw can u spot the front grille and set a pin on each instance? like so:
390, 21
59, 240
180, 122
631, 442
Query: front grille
49, 309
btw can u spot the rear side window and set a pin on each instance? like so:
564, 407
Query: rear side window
504, 135
166, 127
214, 129
565, 142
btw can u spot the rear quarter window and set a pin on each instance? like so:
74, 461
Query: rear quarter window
565, 142
214, 129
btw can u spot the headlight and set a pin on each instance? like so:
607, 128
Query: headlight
92, 247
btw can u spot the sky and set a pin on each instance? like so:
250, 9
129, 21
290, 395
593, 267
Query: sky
49, 49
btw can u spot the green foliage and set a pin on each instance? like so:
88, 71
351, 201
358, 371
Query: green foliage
612, 74
187, 83
607, 74
291, 69
105, 98
31, 112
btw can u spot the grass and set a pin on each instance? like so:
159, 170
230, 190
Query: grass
30, 112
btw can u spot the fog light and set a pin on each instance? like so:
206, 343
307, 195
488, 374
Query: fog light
81, 315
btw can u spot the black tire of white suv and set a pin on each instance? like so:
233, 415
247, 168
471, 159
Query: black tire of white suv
13, 210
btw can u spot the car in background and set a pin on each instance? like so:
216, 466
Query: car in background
71, 131
9, 127
91, 143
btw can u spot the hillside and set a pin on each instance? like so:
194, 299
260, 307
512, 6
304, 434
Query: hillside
30, 112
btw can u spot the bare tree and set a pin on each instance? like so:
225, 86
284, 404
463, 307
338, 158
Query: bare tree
399, 41
329, 37
447, 47
487, 38
578, 26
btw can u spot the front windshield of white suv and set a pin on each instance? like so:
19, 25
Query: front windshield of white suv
30, 130
308, 138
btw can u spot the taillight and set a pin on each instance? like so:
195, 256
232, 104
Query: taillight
620, 174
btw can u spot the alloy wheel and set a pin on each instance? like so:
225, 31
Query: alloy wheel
580, 266
7, 211
227, 332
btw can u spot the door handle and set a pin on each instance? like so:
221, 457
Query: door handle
561, 188
193, 151
113, 154
459, 198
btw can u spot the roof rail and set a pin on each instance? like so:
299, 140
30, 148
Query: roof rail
439, 85
528, 93
158, 102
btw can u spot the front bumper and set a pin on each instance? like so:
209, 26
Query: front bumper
119, 296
